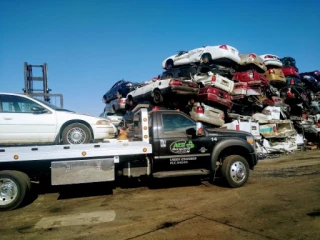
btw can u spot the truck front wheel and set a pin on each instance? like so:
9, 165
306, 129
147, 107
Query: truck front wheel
235, 170
13, 189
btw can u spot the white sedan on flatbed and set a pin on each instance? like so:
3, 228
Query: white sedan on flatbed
26, 120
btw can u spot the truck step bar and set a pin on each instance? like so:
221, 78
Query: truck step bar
181, 173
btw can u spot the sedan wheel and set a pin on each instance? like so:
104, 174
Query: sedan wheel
76, 133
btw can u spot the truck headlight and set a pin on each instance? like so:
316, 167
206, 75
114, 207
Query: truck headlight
250, 140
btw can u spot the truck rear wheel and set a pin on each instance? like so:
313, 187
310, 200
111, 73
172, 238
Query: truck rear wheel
235, 171
13, 189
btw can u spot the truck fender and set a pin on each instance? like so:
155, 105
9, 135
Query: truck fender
220, 146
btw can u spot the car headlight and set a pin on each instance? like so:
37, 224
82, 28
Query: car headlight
103, 122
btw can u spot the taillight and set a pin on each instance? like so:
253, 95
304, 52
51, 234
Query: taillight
200, 110
237, 127
292, 81
289, 94
224, 47
271, 71
252, 55
212, 90
269, 56
250, 74
175, 82
213, 79
193, 85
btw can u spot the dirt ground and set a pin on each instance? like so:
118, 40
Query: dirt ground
280, 201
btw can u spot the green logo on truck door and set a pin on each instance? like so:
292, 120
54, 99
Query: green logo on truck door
181, 147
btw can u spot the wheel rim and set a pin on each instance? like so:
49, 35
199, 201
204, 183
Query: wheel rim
8, 191
238, 172
76, 135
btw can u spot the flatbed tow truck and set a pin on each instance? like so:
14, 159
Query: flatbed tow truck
166, 143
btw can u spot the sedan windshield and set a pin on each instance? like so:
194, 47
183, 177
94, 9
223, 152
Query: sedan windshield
54, 107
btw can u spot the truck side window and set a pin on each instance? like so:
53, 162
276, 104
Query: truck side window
176, 122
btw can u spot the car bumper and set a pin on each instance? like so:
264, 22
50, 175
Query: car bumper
218, 54
251, 61
182, 90
214, 98
274, 77
103, 131
274, 63
208, 119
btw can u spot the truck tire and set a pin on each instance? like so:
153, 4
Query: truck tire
13, 189
157, 96
76, 133
235, 171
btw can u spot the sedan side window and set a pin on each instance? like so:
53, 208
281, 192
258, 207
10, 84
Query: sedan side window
176, 123
11, 103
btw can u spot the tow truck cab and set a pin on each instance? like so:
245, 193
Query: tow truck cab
183, 147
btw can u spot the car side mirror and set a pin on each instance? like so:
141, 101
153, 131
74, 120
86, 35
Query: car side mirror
38, 109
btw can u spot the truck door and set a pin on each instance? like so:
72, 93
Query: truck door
174, 149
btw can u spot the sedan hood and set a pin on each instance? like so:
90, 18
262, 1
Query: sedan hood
73, 115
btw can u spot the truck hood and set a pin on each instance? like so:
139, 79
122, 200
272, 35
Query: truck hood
227, 132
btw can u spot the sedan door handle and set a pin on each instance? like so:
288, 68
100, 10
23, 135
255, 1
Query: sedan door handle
7, 118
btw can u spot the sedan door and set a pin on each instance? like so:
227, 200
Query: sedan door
24, 121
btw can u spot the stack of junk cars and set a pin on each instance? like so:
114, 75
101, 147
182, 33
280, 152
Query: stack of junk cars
265, 95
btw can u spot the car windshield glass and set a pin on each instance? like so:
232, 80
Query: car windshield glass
54, 107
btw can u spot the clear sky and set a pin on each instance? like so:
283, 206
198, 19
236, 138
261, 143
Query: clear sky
90, 44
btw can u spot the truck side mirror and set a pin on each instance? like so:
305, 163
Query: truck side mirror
191, 132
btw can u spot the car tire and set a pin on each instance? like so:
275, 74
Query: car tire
169, 64
13, 189
157, 96
76, 133
235, 171
206, 56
